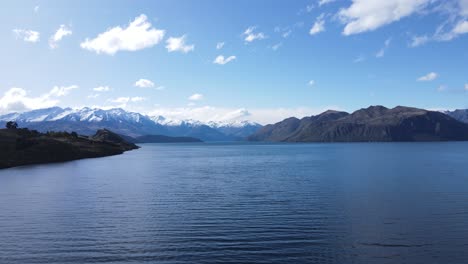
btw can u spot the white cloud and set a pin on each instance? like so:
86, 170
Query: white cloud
18, 100
196, 97
221, 60
178, 44
139, 34
262, 115
368, 15
219, 45
62, 90
120, 100
428, 77
324, 2
381, 52
101, 89
123, 101
418, 41
461, 28
61, 32
319, 25
27, 35
311, 83
466, 87
250, 35
36, 9
93, 96
144, 83
137, 99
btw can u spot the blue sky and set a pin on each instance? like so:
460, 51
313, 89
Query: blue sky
280, 58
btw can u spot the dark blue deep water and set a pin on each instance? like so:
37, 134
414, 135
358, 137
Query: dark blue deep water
242, 203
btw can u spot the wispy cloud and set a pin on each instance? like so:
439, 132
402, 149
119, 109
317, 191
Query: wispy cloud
139, 34
219, 45
101, 89
222, 60
276, 46
196, 97
178, 44
319, 25
418, 41
428, 77
381, 52
61, 32
27, 35
144, 83
324, 2
250, 34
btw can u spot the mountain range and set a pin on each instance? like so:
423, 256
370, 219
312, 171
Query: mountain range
87, 120
375, 123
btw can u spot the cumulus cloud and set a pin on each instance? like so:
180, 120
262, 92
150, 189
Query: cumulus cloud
178, 44
18, 100
196, 97
428, 77
319, 25
101, 89
250, 35
367, 15
221, 60
139, 34
27, 35
61, 32
144, 83
219, 45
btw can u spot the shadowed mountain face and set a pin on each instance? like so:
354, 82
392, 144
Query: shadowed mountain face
375, 123
22, 146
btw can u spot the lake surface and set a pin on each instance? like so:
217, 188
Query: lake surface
242, 203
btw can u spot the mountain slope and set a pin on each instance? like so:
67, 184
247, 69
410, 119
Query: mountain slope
87, 120
375, 123
459, 114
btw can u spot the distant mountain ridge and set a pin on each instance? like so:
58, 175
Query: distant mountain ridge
459, 114
375, 123
87, 120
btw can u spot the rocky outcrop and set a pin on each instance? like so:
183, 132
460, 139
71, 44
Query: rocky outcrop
22, 146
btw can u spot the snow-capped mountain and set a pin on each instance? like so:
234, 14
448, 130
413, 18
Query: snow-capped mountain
88, 120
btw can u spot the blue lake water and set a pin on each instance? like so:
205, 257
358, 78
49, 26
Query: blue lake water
242, 203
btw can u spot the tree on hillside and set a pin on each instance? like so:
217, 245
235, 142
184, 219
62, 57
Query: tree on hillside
11, 125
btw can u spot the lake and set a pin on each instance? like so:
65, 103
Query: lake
242, 203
